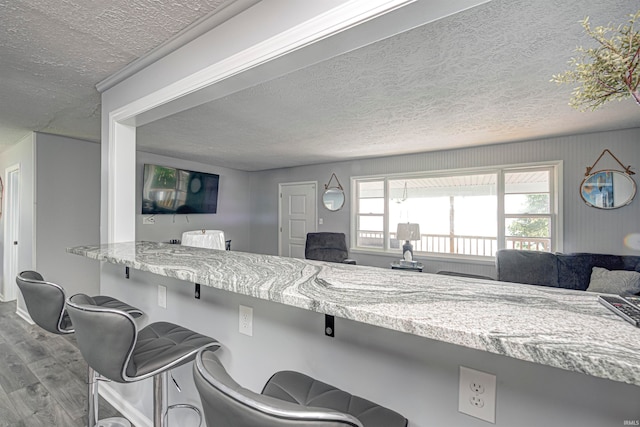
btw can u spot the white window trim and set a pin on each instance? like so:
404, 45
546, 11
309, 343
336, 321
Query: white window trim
556, 197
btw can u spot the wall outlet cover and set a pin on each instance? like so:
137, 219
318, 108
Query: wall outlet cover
162, 296
246, 320
477, 394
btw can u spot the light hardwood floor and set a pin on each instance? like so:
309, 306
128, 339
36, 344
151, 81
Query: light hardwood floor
42, 376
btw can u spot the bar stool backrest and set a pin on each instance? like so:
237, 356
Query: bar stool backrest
227, 404
45, 302
106, 337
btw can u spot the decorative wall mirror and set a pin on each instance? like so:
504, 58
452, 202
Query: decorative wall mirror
333, 197
608, 188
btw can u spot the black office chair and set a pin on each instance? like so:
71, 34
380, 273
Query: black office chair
288, 399
326, 246
46, 304
112, 345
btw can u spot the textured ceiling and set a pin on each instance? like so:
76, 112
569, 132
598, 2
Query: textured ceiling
478, 77
54, 52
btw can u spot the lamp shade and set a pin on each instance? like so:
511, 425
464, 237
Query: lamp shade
408, 231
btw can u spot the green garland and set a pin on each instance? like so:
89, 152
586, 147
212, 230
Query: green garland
607, 72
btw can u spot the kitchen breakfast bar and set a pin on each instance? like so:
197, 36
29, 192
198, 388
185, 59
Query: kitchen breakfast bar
400, 337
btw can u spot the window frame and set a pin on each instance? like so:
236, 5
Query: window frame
555, 208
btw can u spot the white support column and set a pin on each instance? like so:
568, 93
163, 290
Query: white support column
121, 182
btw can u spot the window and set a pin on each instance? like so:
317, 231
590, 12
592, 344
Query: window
527, 210
466, 213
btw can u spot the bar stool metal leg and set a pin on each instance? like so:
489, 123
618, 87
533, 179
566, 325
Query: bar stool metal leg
92, 398
160, 386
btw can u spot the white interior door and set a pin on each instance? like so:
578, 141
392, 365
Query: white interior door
11, 231
297, 217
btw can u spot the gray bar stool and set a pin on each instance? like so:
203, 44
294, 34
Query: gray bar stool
112, 345
45, 303
288, 399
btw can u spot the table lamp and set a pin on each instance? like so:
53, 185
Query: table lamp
407, 232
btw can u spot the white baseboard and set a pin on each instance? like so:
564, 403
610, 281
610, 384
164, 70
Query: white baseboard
25, 315
137, 418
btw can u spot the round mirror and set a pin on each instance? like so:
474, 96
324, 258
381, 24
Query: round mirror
333, 199
608, 189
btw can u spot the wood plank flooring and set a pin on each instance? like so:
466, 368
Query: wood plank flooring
42, 376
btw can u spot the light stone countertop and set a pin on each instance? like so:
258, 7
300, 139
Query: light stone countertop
555, 327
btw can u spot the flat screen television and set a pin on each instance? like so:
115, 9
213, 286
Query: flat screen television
167, 190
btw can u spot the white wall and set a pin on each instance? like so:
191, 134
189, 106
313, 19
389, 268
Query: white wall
232, 215
21, 153
67, 210
585, 229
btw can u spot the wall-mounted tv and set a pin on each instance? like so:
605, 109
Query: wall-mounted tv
167, 190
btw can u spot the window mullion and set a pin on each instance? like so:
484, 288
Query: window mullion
502, 243
385, 220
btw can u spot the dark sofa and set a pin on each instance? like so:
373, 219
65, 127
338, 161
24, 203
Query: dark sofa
571, 271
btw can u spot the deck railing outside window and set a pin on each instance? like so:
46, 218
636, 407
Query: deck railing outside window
459, 245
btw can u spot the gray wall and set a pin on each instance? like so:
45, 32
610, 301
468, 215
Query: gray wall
67, 210
585, 229
413, 375
233, 206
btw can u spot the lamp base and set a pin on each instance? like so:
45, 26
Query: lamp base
407, 251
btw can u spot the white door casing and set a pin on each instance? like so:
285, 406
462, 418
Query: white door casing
11, 211
297, 216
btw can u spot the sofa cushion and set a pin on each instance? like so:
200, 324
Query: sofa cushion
530, 267
574, 270
620, 282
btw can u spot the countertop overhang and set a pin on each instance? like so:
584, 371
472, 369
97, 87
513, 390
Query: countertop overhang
555, 327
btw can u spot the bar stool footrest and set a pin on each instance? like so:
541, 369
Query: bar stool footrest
114, 422
185, 406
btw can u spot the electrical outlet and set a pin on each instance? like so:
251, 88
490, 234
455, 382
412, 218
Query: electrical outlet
477, 394
476, 401
162, 296
476, 387
246, 320
148, 220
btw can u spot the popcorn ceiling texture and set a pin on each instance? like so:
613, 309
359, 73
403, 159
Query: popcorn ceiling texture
477, 77
55, 51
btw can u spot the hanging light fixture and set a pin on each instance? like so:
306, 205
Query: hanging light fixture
404, 194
